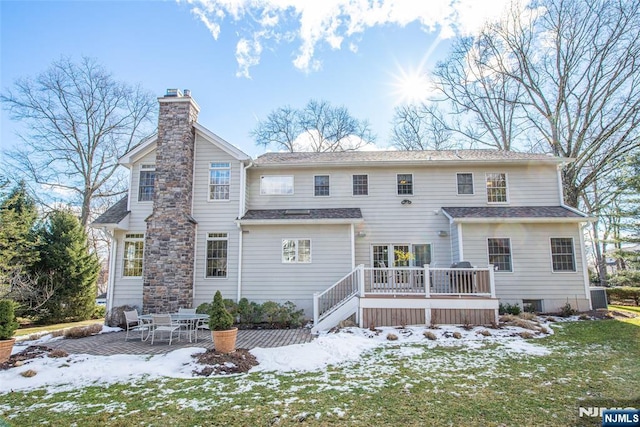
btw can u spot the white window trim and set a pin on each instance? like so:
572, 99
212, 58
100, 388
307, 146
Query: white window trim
124, 245
413, 190
390, 247
206, 244
510, 254
209, 199
145, 167
473, 184
360, 174
573, 249
506, 190
314, 185
297, 240
293, 186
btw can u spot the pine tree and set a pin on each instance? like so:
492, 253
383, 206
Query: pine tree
67, 263
18, 240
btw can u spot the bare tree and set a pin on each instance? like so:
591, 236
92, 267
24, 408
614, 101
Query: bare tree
556, 76
78, 120
318, 127
421, 127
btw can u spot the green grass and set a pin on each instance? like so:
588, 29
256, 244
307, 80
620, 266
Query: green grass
56, 327
410, 385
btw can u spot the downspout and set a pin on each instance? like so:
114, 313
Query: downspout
112, 269
353, 247
241, 211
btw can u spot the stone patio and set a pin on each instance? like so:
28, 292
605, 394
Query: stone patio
113, 343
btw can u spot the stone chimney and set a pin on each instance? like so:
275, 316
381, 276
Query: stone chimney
169, 248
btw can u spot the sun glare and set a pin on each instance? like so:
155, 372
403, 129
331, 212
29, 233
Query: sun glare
410, 86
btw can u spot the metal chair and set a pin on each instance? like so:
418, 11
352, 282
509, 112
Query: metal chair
188, 326
163, 323
135, 324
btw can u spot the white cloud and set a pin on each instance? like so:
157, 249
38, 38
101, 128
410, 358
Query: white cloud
333, 22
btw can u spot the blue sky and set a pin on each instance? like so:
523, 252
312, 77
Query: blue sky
242, 61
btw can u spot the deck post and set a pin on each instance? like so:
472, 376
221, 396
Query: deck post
361, 280
316, 308
492, 282
427, 282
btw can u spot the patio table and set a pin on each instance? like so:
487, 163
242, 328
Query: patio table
191, 320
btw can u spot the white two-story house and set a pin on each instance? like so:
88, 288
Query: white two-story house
390, 237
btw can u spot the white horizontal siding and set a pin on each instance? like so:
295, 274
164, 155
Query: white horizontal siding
215, 216
433, 186
126, 290
265, 277
139, 210
532, 276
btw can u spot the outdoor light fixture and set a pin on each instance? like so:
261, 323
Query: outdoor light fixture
443, 233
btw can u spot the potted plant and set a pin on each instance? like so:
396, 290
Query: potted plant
8, 326
221, 324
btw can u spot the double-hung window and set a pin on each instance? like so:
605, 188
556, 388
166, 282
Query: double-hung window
296, 251
217, 250
219, 180
133, 255
147, 180
360, 185
321, 185
405, 184
500, 253
465, 183
496, 187
562, 255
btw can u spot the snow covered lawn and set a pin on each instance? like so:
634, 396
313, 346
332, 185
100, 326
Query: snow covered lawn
356, 376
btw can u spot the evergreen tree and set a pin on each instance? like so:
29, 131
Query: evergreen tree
18, 240
67, 263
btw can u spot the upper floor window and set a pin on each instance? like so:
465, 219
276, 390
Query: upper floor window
321, 185
405, 184
296, 251
276, 185
360, 185
133, 255
219, 180
147, 180
497, 187
465, 183
217, 248
562, 256
500, 254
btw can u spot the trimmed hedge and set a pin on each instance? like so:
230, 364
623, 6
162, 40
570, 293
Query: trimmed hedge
624, 293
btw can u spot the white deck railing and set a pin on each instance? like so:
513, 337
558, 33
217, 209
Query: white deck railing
425, 281
326, 302
429, 281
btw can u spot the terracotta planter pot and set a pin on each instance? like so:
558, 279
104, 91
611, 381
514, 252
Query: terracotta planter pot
5, 349
225, 341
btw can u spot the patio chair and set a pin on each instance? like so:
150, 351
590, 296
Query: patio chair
188, 326
162, 323
135, 324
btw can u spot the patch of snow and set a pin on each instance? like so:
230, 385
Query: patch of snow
345, 348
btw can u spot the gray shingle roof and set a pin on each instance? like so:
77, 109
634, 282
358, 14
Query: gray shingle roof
298, 214
114, 214
511, 212
398, 156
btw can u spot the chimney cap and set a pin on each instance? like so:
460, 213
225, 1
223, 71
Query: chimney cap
173, 93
